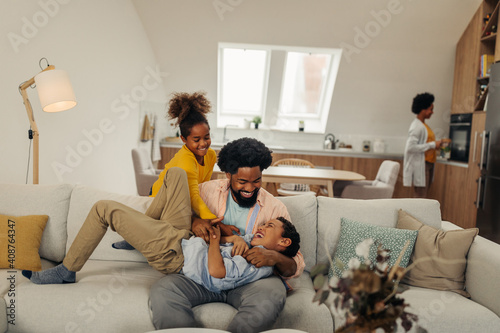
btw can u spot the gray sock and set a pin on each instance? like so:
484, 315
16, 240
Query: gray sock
123, 245
55, 275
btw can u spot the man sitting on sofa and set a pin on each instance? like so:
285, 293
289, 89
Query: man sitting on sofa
243, 203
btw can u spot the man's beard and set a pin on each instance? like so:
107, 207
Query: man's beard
245, 202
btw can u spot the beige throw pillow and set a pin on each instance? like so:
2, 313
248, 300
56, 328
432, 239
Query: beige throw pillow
20, 238
440, 256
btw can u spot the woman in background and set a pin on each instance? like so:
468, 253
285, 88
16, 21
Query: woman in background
420, 150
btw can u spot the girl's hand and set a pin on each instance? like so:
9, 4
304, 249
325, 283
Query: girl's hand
239, 247
227, 230
204, 228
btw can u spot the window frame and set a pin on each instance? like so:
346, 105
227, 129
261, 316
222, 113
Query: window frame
270, 108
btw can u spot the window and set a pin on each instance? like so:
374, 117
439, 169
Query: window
283, 85
243, 80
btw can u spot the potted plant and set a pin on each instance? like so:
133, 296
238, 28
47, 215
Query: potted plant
257, 120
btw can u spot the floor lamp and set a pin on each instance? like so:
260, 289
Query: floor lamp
55, 93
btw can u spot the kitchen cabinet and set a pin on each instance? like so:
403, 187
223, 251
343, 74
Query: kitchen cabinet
478, 39
474, 171
467, 58
458, 193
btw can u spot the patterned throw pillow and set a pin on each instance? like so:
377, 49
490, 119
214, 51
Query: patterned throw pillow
352, 233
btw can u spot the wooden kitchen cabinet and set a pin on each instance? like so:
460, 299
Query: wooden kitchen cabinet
458, 195
474, 170
478, 39
467, 58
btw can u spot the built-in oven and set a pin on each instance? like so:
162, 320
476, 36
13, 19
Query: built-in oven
460, 128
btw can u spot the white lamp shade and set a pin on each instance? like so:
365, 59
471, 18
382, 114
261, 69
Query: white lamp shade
55, 91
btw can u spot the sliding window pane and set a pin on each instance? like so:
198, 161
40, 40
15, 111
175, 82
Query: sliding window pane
243, 81
304, 83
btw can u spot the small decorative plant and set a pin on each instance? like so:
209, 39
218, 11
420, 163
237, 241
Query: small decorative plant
366, 294
257, 120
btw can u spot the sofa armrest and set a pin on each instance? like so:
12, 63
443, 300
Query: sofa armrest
483, 272
3, 315
355, 191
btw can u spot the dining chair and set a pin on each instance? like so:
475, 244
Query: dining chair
382, 187
289, 189
145, 173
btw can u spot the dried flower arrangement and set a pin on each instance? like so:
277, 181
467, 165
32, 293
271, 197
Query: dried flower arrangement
367, 294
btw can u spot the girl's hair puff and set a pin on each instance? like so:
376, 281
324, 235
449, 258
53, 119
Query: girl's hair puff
189, 110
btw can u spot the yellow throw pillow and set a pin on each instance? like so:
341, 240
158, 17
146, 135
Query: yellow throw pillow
444, 255
20, 238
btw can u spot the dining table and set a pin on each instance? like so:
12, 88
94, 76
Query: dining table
311, 176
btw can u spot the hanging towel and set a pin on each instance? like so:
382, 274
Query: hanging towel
155, 149
146, 133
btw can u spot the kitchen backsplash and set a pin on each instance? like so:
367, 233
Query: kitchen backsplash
307, 141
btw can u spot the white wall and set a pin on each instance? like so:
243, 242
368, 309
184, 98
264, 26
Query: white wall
108, 46
411, 51
105, 50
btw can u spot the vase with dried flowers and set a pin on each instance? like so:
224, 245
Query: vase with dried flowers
366, 295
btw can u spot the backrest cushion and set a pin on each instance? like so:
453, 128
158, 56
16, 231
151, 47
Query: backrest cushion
303, 213
51, 200
82, 200
380, 212
387, 173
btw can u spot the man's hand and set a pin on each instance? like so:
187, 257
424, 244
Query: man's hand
227, 230
204, 228
261, 257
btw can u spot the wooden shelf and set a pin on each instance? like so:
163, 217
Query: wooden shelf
493, 21
481, 101
490, 38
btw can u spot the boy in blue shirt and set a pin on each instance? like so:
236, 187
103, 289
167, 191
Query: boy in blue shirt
222, 267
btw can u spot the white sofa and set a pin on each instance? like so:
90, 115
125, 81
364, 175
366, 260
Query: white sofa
112, 290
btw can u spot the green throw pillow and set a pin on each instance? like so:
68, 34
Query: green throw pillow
352, 233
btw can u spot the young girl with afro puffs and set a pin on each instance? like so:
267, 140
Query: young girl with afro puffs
195, 157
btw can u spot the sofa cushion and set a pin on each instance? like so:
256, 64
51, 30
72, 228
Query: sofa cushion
303, 213
51, 200
446, 311
444, 255
109, 296
381, 212
82, 200
21, 237
352, 233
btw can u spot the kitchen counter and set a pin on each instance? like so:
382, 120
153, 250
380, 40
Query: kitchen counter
302, 151
454, 163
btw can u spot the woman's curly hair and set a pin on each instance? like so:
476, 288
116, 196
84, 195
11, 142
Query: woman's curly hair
422, 102
244, 152
189, 110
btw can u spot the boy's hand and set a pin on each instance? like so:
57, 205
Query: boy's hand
204, 228
217, 234
239, 246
